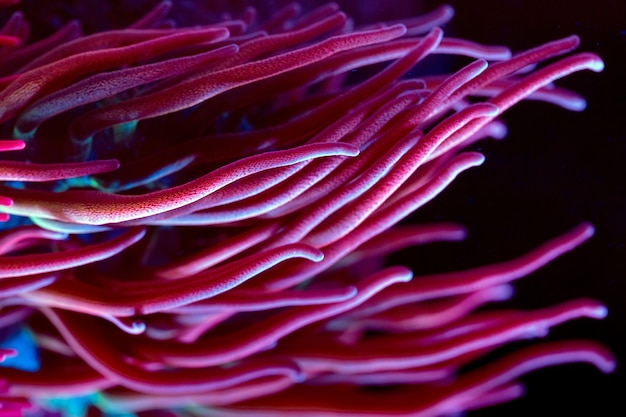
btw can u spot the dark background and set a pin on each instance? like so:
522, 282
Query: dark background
554, 170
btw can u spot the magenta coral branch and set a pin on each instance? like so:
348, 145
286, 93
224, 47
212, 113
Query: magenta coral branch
404, 236
146, 298
13, 62
404, 318
291, 189
96, 208
61, 376
428, 21
267, 332
101, 86
267, 45
154, 16
23, 265
14, 25
401, 352
42, 80
213, 255
108, 40
467, 281
257, 300
201, 88
10, 287
277, 22
519, 61
350, 216
11, 145
314, 15
472, 49
137, 402
11, 41
443, 399
235, 144
24, 171
378, 222
96, 352
350, 211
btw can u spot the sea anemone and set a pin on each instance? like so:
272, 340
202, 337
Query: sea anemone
201, 214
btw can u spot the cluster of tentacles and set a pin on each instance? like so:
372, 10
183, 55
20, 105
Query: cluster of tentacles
200, 218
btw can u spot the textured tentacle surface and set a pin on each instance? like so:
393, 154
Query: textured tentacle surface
203, 204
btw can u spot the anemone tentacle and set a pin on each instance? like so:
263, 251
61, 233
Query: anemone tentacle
201, 216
